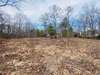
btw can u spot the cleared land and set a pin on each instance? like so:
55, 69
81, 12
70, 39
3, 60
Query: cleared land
41, 56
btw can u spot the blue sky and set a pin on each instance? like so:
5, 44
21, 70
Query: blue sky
33, 9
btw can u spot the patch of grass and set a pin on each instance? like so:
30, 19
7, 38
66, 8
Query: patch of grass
2, 67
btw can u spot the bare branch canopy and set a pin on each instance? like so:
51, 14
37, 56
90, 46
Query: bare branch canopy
8, 2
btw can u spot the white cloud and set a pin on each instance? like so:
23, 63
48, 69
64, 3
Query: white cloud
9, 10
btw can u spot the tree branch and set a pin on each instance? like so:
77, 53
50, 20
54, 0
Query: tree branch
8, 2
3, 3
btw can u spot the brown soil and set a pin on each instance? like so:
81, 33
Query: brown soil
41, 56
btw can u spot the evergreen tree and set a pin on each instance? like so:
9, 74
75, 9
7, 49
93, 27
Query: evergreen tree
51, 30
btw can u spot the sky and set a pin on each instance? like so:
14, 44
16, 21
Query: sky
33, 9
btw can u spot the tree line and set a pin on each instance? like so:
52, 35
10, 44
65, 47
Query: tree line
57, 22
18, 26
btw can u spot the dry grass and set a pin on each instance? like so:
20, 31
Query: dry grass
41, 56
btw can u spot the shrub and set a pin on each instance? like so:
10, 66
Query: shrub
40, 33
5, 35
98, 37
51, 30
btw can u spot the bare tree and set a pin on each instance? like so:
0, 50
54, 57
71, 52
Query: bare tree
68, 13
88, 21
55, 15
23, 26
65, 24
1, 23
28, 29
45, 19
8, 23
97, 12
8, 2
19, 20
83, 19
4, 22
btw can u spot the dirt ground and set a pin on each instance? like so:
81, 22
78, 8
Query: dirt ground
42, 56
